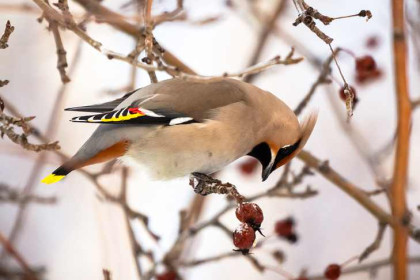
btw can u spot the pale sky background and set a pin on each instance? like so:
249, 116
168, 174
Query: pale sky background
80, 235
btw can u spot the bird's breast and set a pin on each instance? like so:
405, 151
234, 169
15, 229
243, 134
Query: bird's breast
177, 151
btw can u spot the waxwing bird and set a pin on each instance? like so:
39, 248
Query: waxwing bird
177, 127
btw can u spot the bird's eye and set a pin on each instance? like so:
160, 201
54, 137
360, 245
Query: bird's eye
285, 151
262, 152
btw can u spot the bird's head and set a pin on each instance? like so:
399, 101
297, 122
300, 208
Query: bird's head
283, 140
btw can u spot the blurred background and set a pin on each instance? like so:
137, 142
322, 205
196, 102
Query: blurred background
79, 232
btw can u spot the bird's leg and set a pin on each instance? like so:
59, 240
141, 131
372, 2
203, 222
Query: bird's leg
204, 185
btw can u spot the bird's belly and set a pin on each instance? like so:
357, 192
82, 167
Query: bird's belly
177, 151
172, 164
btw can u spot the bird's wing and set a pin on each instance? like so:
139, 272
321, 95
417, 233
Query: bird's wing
194, 99
163, 102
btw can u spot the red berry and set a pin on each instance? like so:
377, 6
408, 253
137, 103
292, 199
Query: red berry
168, 275
332, 272
365, 63
250, 213
284, 228
244, 237
343, 95
248, 167
366, 69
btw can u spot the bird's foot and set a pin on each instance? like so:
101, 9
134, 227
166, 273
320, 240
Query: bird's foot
204, 184
201, 182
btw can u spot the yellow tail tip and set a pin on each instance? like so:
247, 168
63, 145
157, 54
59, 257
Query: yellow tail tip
52, 178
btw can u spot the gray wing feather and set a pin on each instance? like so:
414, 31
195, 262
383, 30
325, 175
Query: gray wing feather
194, 99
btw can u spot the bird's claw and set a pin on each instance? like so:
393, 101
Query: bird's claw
199, 181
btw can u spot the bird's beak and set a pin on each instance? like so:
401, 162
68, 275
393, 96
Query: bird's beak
269, 168
267, 171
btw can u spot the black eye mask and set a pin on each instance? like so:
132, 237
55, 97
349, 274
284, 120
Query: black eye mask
285, 152
262, 152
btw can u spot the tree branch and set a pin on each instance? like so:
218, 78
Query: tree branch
398, 188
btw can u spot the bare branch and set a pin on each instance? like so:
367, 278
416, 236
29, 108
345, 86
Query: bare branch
22, 140
67, 22
205, 185
61, 53
5, 37
376, 244
16, 255
7, 194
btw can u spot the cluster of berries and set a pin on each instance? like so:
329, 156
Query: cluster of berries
251, 216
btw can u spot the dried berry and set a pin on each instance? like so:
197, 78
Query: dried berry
343, 95
332, 272
168, 275
250, 213
366, 69
248, 167
284, 227
244, 237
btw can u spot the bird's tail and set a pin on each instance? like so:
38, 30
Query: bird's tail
82, 159
57, 174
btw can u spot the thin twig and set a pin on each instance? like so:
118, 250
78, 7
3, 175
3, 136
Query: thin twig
22, 140
61, 53
322, 79
194, 77
376, 243
52, 15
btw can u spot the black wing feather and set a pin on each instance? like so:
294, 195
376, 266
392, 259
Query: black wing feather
137, 115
